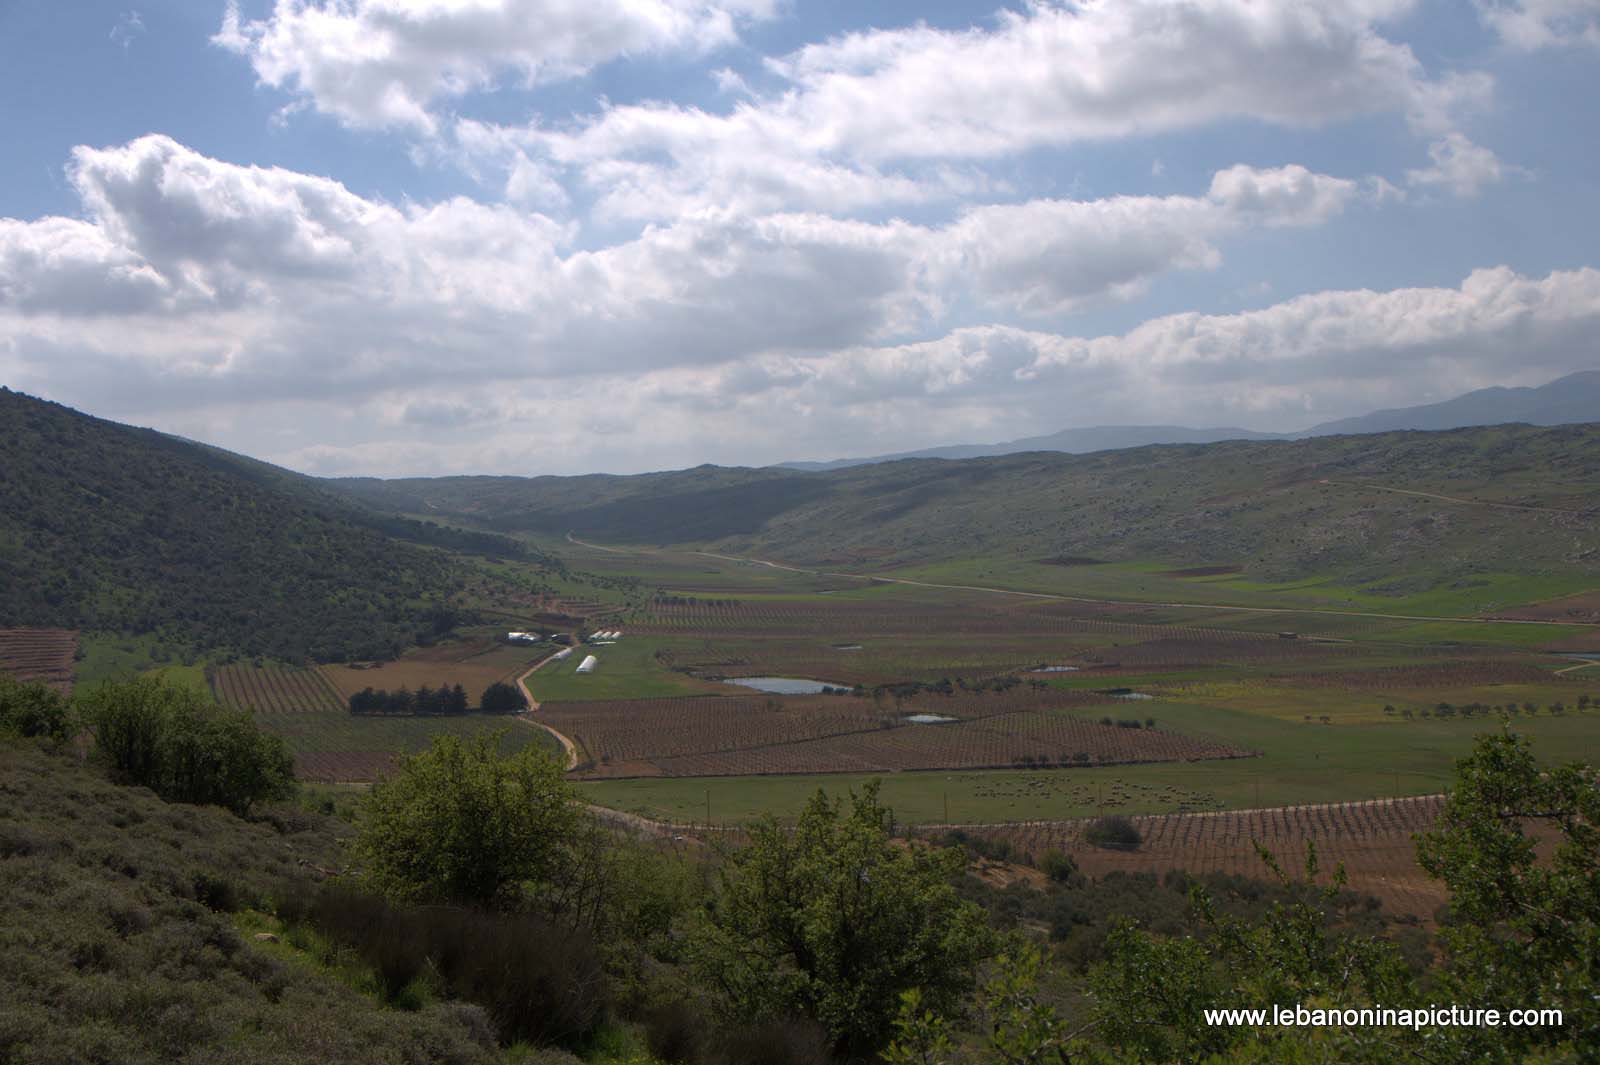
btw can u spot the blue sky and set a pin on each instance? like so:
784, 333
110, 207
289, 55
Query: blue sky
516, 236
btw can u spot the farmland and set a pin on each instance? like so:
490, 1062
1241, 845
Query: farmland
43, 655
1372, 839
329, 743
475, 660
723, 736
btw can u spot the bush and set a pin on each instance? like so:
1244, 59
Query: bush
1114, 832
186, 748
783, 1041
502, 698
459, 823
33, 709
536, 982
1059, 867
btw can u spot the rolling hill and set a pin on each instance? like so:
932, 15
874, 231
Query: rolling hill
108, 527
1276, 509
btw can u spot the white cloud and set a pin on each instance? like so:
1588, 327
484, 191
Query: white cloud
915, 115
1461, 167
1529, 25
384, 63
197, 284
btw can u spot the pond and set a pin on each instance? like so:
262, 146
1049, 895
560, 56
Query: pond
1126, 693
929, 719
786, 685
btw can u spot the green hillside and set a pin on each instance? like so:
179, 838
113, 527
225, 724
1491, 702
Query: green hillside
108, 527
1277, 510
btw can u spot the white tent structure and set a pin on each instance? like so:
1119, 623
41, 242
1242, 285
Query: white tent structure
565, 652
588, 664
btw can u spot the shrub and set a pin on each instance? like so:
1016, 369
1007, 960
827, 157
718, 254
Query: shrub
537, 983
1114, 832
1059, 867
184, 747
33, 709
459, 823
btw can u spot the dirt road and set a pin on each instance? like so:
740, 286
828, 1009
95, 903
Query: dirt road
527, 717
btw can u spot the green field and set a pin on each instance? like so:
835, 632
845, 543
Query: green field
627, 670
1301, 764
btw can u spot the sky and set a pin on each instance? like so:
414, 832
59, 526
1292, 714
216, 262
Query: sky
423, 237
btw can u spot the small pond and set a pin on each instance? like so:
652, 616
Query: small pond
929, 719
1126, 693
847, 647
786, 685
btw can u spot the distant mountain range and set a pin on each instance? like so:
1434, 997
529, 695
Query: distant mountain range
1571, 399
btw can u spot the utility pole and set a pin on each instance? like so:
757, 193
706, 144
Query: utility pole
708, 809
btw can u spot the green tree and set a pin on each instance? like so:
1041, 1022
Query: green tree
1521, 931
502, 698
34, 709
833, 921
184, 747
460, 823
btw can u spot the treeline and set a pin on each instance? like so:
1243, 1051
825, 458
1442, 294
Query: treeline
497, 698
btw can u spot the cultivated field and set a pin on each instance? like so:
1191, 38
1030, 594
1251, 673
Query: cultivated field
1374, 840
729, 736
273, 690
329, 743
474, 662
43, 655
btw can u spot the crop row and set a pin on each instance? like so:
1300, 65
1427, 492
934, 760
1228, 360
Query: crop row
275, 689
1012, 740
43, 655
1456, 674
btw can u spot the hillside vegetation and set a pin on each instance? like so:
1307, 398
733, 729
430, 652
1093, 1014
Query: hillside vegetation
108, 527
1277, 509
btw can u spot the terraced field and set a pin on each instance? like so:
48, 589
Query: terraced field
43, 655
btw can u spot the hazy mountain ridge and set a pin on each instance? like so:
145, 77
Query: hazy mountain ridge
1568, 400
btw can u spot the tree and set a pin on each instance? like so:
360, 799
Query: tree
184, 747
34, 709
1521, 931
502, 698
832, 921
460, 823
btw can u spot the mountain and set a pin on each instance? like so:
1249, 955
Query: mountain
1071, 441
108, 527
1276, 509
1574, 398
1569, 400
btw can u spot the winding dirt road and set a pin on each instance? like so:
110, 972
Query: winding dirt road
527, 717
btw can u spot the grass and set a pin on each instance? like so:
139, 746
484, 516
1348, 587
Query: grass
1152, 582
627, 669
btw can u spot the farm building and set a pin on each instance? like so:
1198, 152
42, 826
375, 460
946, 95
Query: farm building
523, 637
588, 664
563, 653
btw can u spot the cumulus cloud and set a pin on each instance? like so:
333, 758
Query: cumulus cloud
384, 63
194, 283
1461, 167
1529, 25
